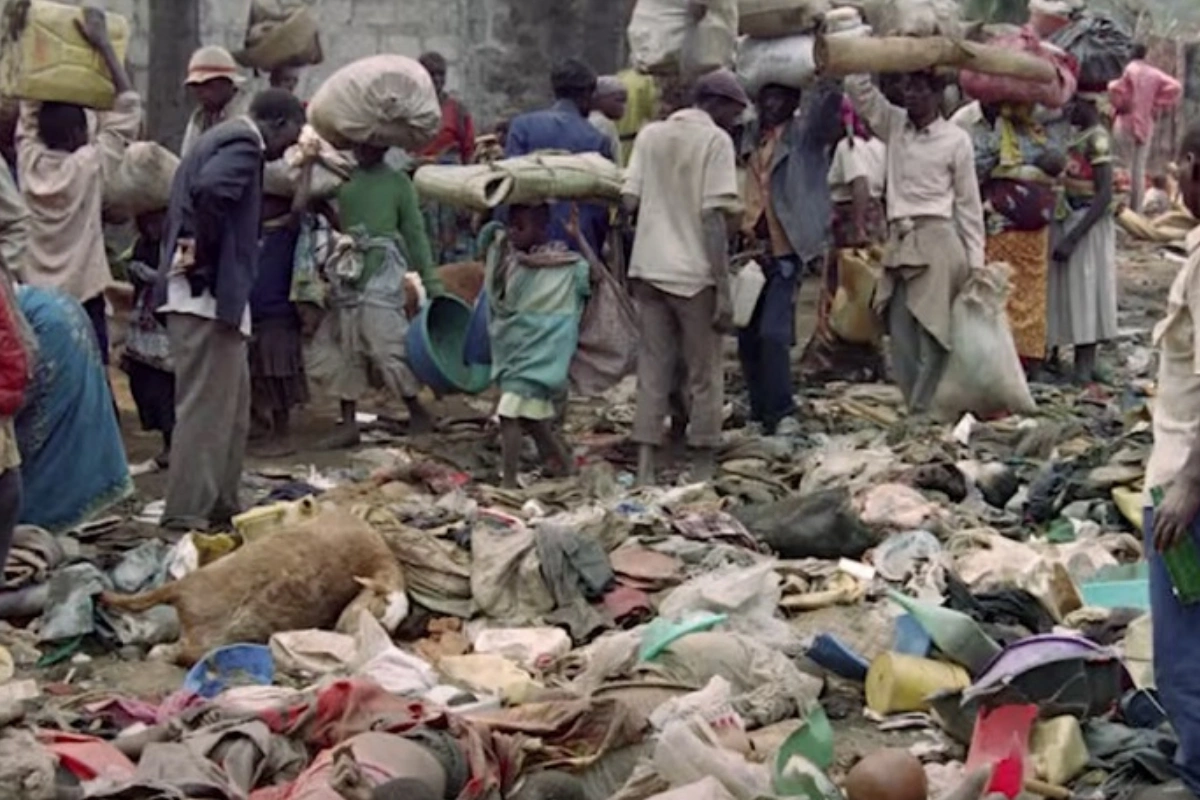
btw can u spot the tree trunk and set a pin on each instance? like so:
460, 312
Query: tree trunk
174, 36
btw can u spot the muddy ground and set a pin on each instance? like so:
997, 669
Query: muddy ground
1146, 274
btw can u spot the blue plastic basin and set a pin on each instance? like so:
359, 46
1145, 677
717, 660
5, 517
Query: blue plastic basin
436, 346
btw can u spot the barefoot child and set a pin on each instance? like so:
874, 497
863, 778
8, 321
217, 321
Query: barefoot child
536, 291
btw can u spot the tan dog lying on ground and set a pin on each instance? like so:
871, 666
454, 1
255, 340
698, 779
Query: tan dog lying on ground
312, 575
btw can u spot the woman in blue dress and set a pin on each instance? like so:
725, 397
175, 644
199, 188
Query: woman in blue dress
73, 462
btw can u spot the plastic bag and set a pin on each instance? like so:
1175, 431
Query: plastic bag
531, 648
983, 374
688, 752
384, 100
608, 339
771, 19
663, 37
851, 316
1101, 45
143, 181
1004, 89
787, 62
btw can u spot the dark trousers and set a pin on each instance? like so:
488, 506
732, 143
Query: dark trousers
1176, 649
96, 313
765, 345
10, 511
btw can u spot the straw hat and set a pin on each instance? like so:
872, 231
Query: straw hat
211, 63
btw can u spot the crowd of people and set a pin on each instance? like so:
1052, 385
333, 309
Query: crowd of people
847, 181
857, 182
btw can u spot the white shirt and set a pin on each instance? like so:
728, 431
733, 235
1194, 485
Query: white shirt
181, 301
865, 158
680, 168
930, 172
1177, 407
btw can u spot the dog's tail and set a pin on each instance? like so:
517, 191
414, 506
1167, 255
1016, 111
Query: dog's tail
163, 596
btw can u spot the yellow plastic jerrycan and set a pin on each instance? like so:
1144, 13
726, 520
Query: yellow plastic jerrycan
264, 520
43, 56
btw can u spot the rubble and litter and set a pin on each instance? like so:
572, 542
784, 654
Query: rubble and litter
866, 596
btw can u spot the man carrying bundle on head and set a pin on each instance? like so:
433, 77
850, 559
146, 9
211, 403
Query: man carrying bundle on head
935, 220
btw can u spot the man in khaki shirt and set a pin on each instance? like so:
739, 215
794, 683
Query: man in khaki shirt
935, 221
682, 181
1175, 467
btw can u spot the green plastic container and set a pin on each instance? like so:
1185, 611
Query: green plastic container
959, 637
1182, 561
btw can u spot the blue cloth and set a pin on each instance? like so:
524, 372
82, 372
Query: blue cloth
1176, 656
271, 297
217, 199
800, 191
534, 320
765, 345
563, 127
72, 458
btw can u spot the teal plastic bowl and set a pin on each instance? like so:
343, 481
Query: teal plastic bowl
437, 341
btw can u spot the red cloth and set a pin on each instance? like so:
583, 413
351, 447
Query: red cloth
86, 757
1140, 95
345, 708
14, 364
457, 133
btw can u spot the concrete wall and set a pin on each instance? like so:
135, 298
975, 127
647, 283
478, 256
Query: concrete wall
499, 51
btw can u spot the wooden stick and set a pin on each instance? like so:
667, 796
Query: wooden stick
838, 56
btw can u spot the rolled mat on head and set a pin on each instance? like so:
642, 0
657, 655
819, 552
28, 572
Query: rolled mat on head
535, 178
840, 56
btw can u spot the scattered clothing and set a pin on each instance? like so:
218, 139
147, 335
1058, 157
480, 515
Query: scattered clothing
72, 457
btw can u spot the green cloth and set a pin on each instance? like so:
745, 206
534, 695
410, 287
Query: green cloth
383, 202
534, 320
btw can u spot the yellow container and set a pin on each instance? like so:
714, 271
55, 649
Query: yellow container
897, 684
258, 522
44, 57
1058, 751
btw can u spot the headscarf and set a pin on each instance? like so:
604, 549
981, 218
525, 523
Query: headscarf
852, 122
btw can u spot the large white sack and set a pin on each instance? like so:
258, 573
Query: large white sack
143, 181
663, 37
386, 101
766, 19
787, 62
983, 374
